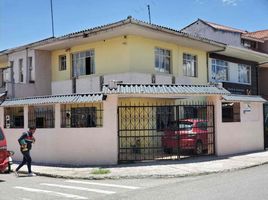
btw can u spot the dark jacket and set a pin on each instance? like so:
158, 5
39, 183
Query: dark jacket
26, 138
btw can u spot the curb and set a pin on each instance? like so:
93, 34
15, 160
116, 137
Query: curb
143, 176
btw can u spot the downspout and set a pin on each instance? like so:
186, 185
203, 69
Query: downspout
209, 52
12, 80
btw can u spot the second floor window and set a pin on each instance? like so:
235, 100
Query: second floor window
244, 73
220, 70
83, 63
189, 65
162, 60
31, 72
21, 70
62, 62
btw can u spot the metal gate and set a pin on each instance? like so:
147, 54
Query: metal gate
265, 124
157, 132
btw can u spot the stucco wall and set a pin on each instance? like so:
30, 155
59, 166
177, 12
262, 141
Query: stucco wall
201, 29
239, 137
72, 146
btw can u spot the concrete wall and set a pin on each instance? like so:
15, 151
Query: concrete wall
41, 74
72, 146
239, 137
201, 29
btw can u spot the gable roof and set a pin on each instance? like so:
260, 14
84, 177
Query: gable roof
217, 26
87, 33
259, 35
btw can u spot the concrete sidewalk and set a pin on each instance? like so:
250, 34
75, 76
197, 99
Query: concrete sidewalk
157, 169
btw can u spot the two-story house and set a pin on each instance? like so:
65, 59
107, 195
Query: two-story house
236, 66
26, 71
115, 89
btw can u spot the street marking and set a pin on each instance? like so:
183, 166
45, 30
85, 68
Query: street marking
103, 184
79, 188
72, 196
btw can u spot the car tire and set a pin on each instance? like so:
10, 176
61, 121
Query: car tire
168, 150
199, 148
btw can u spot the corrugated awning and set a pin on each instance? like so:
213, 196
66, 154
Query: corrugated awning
243, 98
165, 89
63, 99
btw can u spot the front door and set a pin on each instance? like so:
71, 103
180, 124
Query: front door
265, 119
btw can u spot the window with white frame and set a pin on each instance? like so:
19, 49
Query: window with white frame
189, 65
62, 62
244, 73
220, 70
21, 70
162, 60
83, 63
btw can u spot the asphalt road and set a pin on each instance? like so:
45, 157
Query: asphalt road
245, 184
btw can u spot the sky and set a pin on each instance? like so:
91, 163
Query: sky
26, 21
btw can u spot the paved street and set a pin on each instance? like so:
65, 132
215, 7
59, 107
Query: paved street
243, 184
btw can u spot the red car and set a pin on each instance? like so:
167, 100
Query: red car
5, 155
186, 134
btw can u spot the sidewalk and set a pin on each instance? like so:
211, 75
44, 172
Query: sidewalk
157, 169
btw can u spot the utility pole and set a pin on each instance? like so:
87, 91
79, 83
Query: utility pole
52, 20
149, 13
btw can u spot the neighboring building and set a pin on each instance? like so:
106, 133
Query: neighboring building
114, 90
26, 71
236, 67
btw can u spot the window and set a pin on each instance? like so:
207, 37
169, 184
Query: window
62, 62
162, 60
83, 63
41, 116
30, 64
230, 112
164, 117
14, 117
244, 73
81, 115
220, 70
21, 70
189, 65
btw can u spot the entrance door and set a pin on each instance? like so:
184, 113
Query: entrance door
265, 111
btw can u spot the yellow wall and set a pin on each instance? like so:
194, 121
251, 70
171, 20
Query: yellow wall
130, 54
110, 56
3, 64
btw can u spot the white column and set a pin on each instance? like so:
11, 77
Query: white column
2, 120
57, 116
26, 117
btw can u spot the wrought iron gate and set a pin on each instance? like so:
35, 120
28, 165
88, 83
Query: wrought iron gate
156, 132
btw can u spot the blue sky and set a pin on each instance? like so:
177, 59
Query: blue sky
26, 21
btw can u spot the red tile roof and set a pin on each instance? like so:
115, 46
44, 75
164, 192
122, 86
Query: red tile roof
224, 28
262, 35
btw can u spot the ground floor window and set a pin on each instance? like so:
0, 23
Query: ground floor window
14, 117
230, 112
41, 116
81, 115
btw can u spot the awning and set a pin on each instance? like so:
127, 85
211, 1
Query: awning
248, 98
165, 89
245, 54
63, 99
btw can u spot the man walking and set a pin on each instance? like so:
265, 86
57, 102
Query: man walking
26, 141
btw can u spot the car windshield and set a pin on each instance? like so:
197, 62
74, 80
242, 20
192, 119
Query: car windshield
186, 126
181, 125
1, 135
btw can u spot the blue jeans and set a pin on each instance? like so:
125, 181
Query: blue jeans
26, 160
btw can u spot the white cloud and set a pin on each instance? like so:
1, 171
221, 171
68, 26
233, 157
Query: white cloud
230, 2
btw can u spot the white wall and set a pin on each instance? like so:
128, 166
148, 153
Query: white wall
131, 77
62, 87
73, 146
87, 84
239, 137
